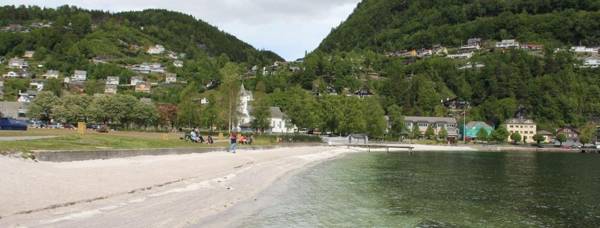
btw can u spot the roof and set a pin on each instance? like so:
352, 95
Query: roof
277, 113
473, 124
519, 121
429, 119
543, 132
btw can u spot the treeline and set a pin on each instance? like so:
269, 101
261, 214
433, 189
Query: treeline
119, 110
399, 24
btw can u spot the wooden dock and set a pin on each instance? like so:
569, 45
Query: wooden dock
387, 147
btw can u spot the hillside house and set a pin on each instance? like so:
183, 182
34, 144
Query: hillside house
280, 123
79, 76
156, 50
178, 63
147, 68
28, 54
585, 50
440, 50
17, 63
12, 74
455, 103
112, 80
170, 78
505, 44
110, 89
474, 42
27, 96
134, 81
571, 133
51, 74
36, 85
532, 47
437, 123
144, 87
525, 127
465, 55
470, 65
591, 63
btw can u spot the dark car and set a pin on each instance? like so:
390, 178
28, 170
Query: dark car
12, 124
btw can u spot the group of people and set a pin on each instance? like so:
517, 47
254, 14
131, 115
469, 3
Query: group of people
196, 137
234, 140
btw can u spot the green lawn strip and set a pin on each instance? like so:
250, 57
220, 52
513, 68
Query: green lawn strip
96, 142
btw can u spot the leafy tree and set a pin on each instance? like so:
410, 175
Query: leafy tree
261, 114
429, 133
562, 138
144, 114
72, 108
587, 133
415, 132
55, 86
516, 137
500, 134
41, 107
443, 134
539, 139
482, 135
396, 120
375, 118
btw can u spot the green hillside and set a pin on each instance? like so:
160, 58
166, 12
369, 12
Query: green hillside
75, 35
405, 24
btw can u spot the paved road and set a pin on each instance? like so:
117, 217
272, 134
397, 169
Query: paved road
24, 138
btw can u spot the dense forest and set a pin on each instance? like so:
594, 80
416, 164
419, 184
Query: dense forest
385, 25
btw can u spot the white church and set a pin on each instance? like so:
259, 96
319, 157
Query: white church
280, 124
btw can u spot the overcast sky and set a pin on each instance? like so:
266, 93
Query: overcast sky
288, 27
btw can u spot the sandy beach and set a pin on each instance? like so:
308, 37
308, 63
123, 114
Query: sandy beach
160, 191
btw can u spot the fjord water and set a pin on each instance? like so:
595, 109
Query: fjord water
438, 190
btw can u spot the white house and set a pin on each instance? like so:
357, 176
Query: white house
156, 50
51, 74
18, 63
110, 89
204, 101
37, 85
112, 80
585, 50
79, 75
436, 123
178, 63
29, 54
147, 68
170, 78
591, 63
508, 44
12, 74
244, 108
136, 80
26, 97
466, 55
280, 122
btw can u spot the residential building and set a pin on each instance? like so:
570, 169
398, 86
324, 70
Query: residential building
51, 74
12, 74
470, 65
204, 101
507, 44
548, 136
178, 63
440, 50
112, 80
110, 89
474, 42
27, 96
79, 75
156, 49
465, 55
17, 63
437, 123
591, 63
472, 129
244, 107
570, 132
280, 123
36, 85
585, 50
147, 68
13, 109
170, 78
144, 87
525, 127
29, 54
532, 47
136, 80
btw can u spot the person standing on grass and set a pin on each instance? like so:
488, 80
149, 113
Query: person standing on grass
232, 142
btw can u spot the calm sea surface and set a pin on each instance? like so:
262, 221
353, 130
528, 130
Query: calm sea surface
437, 190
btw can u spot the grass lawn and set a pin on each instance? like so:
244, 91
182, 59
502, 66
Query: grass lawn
71, 140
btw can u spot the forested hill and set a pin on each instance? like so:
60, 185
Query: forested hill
384, 25
98, 33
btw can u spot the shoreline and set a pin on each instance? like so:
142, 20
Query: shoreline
200, 188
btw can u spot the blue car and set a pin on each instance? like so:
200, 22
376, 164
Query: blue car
12, 124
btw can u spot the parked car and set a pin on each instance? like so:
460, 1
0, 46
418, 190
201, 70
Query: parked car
12, 124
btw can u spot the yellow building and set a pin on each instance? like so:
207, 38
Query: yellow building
525, 127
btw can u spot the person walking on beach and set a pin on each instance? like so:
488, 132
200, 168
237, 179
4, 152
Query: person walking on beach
232, 142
